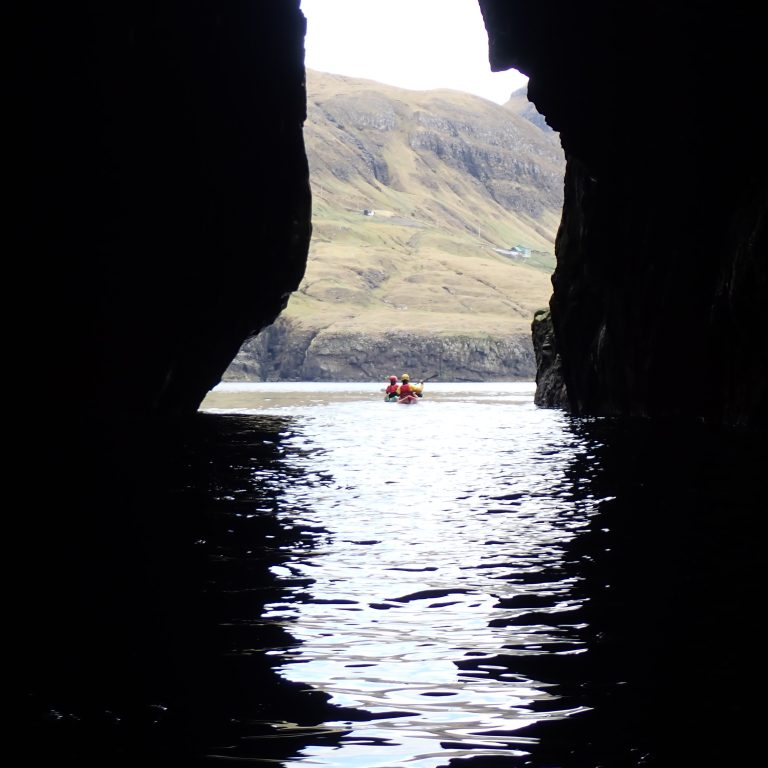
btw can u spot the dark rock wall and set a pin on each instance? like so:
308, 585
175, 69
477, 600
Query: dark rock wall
550, 388
158, 213
160, 207
164, 203
662, 252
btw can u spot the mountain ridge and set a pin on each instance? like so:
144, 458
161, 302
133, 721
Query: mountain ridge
434, 217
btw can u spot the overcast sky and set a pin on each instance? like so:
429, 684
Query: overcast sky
416, 44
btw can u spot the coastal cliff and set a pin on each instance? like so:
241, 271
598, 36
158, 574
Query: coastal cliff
285, 353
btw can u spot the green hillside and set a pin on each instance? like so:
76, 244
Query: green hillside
412, 192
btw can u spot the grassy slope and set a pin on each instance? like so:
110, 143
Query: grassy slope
425, 260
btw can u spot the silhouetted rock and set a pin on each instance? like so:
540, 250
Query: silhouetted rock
662, 251
550, 387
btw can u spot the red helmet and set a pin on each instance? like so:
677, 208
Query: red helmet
393, 378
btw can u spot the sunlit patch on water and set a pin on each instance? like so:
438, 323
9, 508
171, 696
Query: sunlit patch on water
306, 575
478, 582
436, 568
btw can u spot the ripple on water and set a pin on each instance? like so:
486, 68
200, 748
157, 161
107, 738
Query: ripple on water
437, 566
479, 580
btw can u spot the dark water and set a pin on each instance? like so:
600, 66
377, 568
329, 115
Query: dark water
309, 576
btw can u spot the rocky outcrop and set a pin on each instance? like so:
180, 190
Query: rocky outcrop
661, 255
550, 387
284, 352
159, 215
161, 190
521, 105
156, 143
356, 136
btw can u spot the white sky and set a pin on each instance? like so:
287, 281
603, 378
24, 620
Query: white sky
415, 44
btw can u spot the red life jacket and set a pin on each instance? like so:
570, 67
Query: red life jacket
405, 390
391, 389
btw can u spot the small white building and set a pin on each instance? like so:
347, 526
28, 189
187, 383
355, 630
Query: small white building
515, 252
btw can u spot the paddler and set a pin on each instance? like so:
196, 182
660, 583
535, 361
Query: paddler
406, 388
390, 393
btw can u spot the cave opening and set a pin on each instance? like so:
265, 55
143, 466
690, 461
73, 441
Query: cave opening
608, 567
436, 199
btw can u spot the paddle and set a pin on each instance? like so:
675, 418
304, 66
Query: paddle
421, 381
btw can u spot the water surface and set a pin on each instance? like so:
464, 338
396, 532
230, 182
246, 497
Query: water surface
443, 528
305, 575
448, 592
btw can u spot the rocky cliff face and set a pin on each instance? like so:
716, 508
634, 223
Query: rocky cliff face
432, 170
152, 139
362, 131
662, 251
286, 353
550, 387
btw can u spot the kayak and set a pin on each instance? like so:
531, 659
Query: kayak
408, 400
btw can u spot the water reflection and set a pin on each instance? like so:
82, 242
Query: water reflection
145, 644
440, 563
476, 594
474, 581
670, 569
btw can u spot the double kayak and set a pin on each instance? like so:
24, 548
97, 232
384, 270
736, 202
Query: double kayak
407, 400
406, 393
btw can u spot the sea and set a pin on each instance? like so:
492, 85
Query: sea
474, 580
312, 576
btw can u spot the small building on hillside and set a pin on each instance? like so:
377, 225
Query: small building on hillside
515, 252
